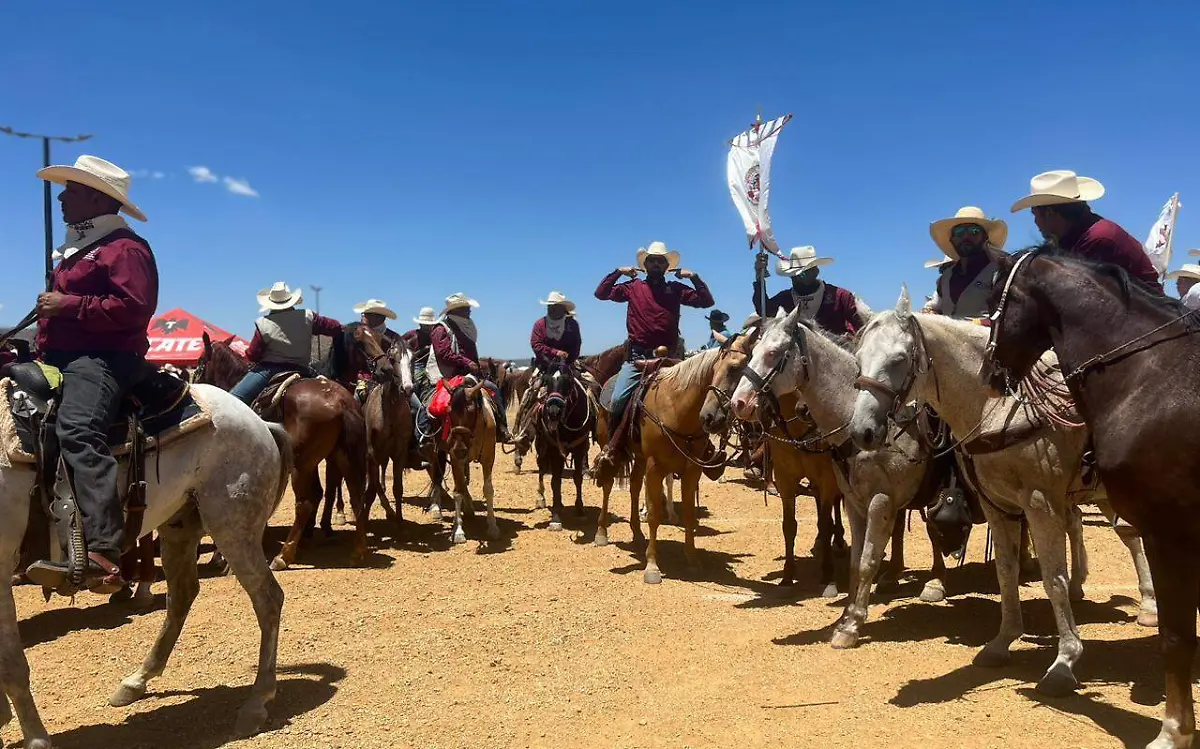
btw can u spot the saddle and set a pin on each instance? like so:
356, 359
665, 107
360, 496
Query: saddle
267, 402
628, 430
158, 407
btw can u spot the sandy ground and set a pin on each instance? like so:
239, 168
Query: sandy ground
544, 640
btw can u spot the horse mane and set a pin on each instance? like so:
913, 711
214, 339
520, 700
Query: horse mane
696, 370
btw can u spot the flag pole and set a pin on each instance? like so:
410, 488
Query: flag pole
760, 270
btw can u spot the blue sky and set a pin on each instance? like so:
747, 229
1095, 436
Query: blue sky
411, 150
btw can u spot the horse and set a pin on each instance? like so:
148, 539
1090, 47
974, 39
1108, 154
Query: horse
389, 423
1130, 357
936, 360
469, 436
563, 427
226, 479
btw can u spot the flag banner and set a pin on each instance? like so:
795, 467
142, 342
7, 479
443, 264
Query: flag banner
748, 170
1158, 244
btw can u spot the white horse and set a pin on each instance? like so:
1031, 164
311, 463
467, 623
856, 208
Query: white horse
224, 479
936, 359
793, 356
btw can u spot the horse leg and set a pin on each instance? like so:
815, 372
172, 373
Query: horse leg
333, 494
637, 480
606, 481
839, 530
787, 494
397, 487
540, 502
935, 588
486, 464
307, 487
14, 668
1028, 562
1049, 537
1006, 542
460, 497
354, 470
890, 574
1079, 558
689, 483
180, 537
1148, 610
881, 518
143, 599
557, 467
669, 502
654, 507
437, 474
580, 462
1178, 579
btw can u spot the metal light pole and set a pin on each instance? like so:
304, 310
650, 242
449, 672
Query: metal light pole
317, 308
47, 213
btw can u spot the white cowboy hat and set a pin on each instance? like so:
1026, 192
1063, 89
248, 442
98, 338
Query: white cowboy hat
938, 263
459, 301
557, 297
375, 307
426, 317
98, 174
658, 249
1189, 270
800, 260
279, 296
1194, 253
1058, 187
997, 230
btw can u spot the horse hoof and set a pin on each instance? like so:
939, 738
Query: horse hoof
251, 719
652, 577
831, 591
1058, 681
278, 564
601, 539
555, 525
122, 595
38, 744
460, 537
339, 519
991, 658
493, 532
933, 593
143, 600
127, 694
1147, 618
843, 640
786, 582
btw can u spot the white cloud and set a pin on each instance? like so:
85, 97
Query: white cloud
158, 175
240, 187
202, 174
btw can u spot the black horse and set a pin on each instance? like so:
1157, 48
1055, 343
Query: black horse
563, 426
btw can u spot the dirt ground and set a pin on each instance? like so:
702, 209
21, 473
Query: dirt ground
543, 640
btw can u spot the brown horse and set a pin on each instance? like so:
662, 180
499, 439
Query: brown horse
1130, 356
470, 436
564, 423
389, 419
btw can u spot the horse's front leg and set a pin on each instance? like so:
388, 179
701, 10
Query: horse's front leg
881, 518
1148, 609
307, 486
935, 589
654, 505
1177, 576
461, 496
487, 463
1006, 542
557, 466
580, 464
1049, 538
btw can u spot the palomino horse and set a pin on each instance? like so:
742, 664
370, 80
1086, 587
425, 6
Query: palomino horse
469, 436
1130, 357
936, 360
672, 442
225, 479
389, 420
563, 426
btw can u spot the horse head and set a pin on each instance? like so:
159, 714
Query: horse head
891, 359
778, 364
368, 354
465, 404
731, 364
1017, 338
559, 384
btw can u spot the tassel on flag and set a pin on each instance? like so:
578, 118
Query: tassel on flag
748, 171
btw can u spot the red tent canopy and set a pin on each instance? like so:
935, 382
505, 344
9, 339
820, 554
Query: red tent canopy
175, 338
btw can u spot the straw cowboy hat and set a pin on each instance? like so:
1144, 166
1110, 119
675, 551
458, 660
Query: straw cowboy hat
98, 174
426, 317
374, 307
1058, 187
997, 230
459, 301
279, 296
800, 260
557, 297
658, 249
1189, 270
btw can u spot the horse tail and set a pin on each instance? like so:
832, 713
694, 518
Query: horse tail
287, 459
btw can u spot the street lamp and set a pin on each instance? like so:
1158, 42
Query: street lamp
317, 308
46, 186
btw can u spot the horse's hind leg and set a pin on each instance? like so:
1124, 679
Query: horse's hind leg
935, 589
579, 466
14, 668
180, 537
1079, 559
606, 480
1049, 538
1148, 610
890, 574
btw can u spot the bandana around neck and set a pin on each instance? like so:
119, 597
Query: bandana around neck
808, 304
464, 325
87, 233
556, 328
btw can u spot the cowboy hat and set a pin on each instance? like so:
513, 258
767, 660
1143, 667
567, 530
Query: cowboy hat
459, 301
1058, 187
1189, 270
800, 260
717, 314
98, 174
556, 297
751, 321
1194, 253
938, 263
426, 317
375, 307
279, 296
658, 249
997, 230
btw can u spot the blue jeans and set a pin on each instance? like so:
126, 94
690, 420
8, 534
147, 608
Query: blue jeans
628, 378
255, 381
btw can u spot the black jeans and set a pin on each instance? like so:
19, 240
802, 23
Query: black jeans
93, 383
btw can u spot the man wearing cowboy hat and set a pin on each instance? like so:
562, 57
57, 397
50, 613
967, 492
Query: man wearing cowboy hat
719, 332
282, 339
418, 340
453, 342
652, 318
1059, 201
374, 313
832, 307
1185, 282
555, 338
92, 326
967, 272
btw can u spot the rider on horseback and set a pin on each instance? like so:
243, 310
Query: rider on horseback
374, 313
282, 340
832, 307
652, 319
966, 273
555, 338
92, 327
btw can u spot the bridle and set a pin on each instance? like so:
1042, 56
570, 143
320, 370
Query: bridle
919, 363
565, 401
997, 318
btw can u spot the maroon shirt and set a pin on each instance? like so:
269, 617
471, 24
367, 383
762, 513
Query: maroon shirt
838, 312
452, 364
1102, 241
547, 349
653, 316
416, 339
320, 326
112, 291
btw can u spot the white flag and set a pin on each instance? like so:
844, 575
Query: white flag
748, 171
1158, 244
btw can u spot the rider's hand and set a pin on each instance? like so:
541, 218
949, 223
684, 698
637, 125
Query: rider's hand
51, 304
560, 354
760, 263
629, 271
684, 273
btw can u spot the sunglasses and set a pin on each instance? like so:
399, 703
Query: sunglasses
965, 230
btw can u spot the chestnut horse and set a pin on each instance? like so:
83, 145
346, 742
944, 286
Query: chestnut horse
389, 419
470, 436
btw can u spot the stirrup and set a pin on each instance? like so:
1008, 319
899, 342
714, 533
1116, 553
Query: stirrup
101, 576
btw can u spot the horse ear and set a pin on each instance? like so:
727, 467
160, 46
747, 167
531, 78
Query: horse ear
781, 313
207, 341
904, 303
